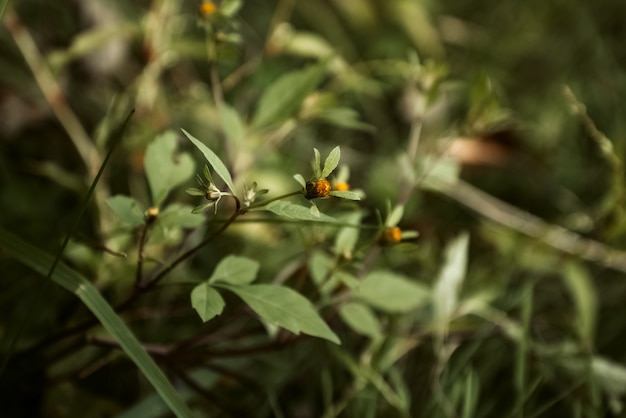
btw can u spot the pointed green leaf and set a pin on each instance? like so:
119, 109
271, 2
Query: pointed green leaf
164, 169
285, 308
345, 194
236, 270
395, 216
229, 8
206, 301
448, 284
293, 211
317, 164
127, 209
583, 292
300, 180
193, 191
283, 98
215, 162
332, 161
391, 292
345, 118
111, 321
361, 319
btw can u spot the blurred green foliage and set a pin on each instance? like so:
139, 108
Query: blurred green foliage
447, 301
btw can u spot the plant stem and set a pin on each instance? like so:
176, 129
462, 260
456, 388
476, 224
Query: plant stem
273, 199
140, 247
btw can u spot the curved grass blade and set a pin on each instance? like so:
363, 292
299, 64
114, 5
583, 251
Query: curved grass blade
117, 136
89, 295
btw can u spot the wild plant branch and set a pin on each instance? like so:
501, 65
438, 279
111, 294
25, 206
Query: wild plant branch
514, 218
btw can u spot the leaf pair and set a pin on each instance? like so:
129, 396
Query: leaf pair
276, 305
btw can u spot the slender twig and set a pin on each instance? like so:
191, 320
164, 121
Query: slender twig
216, 86
152, 349
208, 395
265, 202
140, 256
514, 218
148, 284
52, 92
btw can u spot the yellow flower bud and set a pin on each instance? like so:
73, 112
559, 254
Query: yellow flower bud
391, 236
317, 188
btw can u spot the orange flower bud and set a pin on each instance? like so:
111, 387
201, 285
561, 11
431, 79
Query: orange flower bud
341, 186
391, 236
317, 188
207, 8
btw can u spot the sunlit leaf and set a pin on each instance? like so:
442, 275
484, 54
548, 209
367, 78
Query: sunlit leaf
206, 301
347, 237
215, 162
395, 216
361, 319
300, 180
283, 98
332, 161
582, 291
164, 168
236, 270
345, 118
345, 194
317, 164
293, 211
391, 292
448, 284
285, 308
181, 216
127, 209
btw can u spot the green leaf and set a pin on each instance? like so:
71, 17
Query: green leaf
164, 169
284, 307
345, 194
317, 164
293, 211
300, 180
229, 8
361, 319
93, 300
320, 266
235, 270
395, 216
582, 291
332, 161
193, 191
215, 162
127, 209
347, 237
448, 284
391, 292
435, 170
232, 125
206, 301
610, 375
345, 118
282, 99
180, 216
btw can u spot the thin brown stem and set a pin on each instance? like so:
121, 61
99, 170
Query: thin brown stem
140, 257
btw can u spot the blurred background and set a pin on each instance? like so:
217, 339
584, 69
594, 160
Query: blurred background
524, 98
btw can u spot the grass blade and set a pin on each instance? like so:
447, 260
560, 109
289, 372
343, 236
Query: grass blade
89, 295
